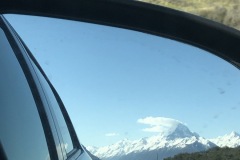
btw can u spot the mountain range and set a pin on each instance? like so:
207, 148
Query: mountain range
231, 140
179, 140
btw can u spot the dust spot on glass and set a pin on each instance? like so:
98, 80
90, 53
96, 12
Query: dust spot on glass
216, 116
221, 91
205, 126
229, 84
49, 76
46, 63
176, 59
120, 99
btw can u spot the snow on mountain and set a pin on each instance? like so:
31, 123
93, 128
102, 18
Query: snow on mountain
181, 138
231, 140
181, 131
173, 138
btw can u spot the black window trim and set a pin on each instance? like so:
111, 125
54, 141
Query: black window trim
76, 144
18, 51
211, 36
3, 155
20, 47
52, 116
77, 149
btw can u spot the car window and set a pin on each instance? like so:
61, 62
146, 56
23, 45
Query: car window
21, 131
56, 111
133, 95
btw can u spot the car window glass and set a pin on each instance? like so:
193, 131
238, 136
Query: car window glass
132, 92
61, 123
21, 131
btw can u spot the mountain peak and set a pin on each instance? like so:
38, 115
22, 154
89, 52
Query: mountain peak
231, 140
166, 127
234, 134
181, 131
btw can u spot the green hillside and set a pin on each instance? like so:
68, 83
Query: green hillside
212, 154
223, 11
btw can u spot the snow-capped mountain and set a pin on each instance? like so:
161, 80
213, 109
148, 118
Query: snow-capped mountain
231, 140
178, 140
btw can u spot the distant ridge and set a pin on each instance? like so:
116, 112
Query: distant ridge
231, 140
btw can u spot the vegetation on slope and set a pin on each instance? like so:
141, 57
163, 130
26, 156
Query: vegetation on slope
223, 11
212, 154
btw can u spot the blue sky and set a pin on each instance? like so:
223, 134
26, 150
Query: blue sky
109, 78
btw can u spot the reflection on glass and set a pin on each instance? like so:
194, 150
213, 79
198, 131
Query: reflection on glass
55, 108
130, 93
21, 131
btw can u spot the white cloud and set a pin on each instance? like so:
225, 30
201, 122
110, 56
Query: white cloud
159, 124
111, 134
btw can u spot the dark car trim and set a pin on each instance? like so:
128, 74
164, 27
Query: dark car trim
2, 152
213, 37
33, 86
77, 147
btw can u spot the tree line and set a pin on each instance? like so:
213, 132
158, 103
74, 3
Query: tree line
216, 153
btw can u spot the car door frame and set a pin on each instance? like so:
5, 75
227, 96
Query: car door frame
52, 134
